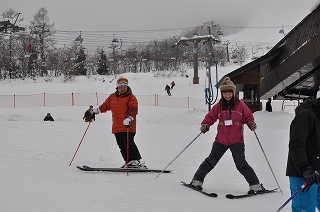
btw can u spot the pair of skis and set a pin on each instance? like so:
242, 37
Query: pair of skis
91, 169
229, 196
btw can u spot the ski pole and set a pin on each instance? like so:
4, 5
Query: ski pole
179, 154
293, 195
268, 162
128, 127
80, 143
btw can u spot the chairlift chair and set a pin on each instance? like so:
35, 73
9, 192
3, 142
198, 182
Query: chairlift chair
220, 32
79, 39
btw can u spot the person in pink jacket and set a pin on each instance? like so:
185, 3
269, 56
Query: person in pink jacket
231, 114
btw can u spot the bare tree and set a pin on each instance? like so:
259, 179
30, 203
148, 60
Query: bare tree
44, 31
20, 53
9, 42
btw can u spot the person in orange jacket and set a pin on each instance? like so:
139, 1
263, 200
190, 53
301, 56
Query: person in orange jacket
124, 108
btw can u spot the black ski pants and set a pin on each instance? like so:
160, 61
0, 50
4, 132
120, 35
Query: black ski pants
239, 159
134, 153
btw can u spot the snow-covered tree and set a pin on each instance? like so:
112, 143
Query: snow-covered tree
43, 32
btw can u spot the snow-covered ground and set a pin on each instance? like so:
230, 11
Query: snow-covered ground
35, 155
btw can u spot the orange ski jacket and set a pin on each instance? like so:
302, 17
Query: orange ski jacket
121, 106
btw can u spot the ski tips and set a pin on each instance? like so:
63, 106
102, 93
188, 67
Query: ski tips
230, 196
213, 195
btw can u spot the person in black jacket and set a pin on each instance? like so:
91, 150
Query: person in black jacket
303, 163
167, 88
268, 105
48, 117
88, 116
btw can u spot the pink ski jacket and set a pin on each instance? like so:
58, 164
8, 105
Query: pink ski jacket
230, 122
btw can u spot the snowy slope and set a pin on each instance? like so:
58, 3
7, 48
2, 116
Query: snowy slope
35, 156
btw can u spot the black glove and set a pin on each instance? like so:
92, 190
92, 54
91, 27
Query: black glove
204, 128
311, 177
252, 125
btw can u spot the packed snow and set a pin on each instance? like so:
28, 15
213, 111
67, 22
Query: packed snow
35, 155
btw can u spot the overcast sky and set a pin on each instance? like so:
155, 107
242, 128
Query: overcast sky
138, 20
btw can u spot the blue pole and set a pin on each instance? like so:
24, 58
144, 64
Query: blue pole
295, 193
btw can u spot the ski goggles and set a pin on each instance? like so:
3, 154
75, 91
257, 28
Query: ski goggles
227, 91
122, 81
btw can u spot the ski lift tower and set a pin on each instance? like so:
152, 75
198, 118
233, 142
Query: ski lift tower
115, 45
195, 40
78, 43
80, 55
208, 89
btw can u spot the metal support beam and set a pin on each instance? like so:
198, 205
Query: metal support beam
196, 39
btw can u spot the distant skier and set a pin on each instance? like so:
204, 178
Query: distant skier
268, 105
172, 84
88, 115
48, 117
167, 88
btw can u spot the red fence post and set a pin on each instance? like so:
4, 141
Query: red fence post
156, 100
